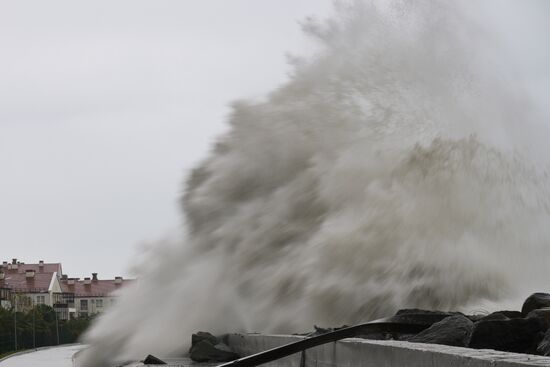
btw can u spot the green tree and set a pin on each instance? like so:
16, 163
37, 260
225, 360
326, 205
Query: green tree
37, 326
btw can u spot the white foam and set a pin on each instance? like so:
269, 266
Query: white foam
388, 173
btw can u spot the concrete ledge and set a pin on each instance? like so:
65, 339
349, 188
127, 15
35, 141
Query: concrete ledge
377, 353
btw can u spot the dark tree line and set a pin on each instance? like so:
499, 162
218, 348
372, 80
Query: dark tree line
37, 327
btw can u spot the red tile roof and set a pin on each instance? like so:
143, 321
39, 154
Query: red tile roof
46, 268
18, 282
97, 288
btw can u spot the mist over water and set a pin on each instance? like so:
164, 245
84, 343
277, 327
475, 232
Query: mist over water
396, 168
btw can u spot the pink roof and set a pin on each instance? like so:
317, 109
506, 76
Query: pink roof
18, 282
47, 268
97, 288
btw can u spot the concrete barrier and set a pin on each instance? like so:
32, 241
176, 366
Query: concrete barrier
377, 353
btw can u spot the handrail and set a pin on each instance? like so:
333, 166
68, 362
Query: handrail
406, 323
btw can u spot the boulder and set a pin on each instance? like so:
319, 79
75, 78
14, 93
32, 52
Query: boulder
544, 346
511, 314
453, 330
203, 335
542, 313
150, 359
421, 317
514, 335
497, 315
204, 351
494, 316
535, 301
206, 347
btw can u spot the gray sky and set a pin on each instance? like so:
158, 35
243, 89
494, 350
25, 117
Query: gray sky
106, 105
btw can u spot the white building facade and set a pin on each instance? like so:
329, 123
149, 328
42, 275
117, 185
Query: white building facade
23, 286
93, 296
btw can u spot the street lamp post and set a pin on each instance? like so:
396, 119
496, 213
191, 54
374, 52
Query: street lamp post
33, 325
56, 326
15, 321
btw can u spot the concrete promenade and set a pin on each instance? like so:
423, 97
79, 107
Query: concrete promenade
376, 353
60, 356
364, 353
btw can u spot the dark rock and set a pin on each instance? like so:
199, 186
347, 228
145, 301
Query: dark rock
544, 346
475, 318
204, 351
223, 347
535, 301
514, 335
150, 359
542, 313
421, 317
494, 316
511, 314
498, 315
202, 335
453, 330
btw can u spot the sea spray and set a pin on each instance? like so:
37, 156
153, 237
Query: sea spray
385, 174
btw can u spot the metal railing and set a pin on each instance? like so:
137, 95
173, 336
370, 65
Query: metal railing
405, 323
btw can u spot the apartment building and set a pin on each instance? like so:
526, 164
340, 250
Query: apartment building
92, 295
26, 285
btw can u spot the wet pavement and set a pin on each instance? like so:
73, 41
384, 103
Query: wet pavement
51, 357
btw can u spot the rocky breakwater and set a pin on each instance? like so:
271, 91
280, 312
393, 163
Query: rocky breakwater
525, 331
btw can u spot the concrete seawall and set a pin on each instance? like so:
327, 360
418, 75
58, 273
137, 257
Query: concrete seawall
376, 353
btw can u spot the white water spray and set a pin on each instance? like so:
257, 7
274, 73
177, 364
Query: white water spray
387, 173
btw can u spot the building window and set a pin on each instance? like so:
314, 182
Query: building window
99, 303
27, 302
84, 304
40, 300
4, 294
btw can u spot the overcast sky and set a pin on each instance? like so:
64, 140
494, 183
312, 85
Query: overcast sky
106, 105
